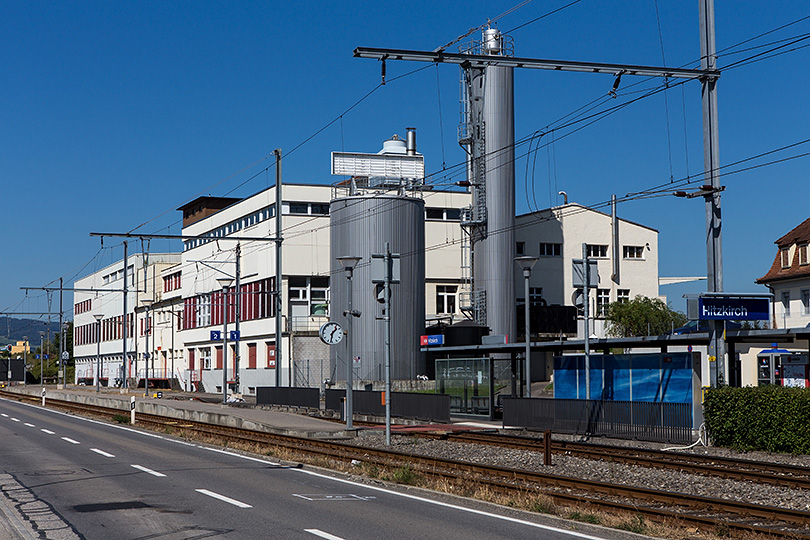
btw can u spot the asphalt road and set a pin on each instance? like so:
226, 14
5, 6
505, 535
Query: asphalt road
64, 477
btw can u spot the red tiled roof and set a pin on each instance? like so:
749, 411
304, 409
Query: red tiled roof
798, 235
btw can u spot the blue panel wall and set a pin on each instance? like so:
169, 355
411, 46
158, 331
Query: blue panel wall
626, 377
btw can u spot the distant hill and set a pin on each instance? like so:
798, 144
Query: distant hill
12, 330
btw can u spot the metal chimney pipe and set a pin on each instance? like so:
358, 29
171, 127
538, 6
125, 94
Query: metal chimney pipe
410, 142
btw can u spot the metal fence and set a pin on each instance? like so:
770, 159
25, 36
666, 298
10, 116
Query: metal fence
295, 397
638, 420
429, 407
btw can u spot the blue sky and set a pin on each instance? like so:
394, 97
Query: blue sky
115, 113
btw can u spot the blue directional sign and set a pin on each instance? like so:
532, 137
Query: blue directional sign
216, 335
733, 309
233, 335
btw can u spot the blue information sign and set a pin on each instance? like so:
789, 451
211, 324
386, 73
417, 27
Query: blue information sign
233, 335
437, 339
216, 335
733, 309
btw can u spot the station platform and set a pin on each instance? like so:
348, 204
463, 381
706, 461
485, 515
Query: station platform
209, 408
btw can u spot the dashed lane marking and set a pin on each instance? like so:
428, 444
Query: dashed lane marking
228, 500
71, 441
101, 452
318, 532
149, 471
48, 431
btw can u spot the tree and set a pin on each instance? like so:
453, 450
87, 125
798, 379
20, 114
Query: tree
642, 316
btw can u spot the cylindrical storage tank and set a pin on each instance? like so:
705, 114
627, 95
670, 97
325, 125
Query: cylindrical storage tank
494, 255
360, 226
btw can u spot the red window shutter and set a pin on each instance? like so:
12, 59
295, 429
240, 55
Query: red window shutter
252, 356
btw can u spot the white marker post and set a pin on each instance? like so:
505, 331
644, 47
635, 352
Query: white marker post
43, 397
132, 410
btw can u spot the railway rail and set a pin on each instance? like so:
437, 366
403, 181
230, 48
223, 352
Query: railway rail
689, 510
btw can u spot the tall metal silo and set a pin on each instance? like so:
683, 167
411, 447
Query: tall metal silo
360, 226
490, 119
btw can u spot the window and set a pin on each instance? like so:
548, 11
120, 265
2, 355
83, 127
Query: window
443, 214
203, 310
597, 251
171, 282
786, 303
805, 301
803, 255
623, 295
251, 356
320, 209
535, 295
633, 252
446, 299
299, 208
785, 254
550, 250
434, 213
205, 358
313, 291
520, 248
602, 300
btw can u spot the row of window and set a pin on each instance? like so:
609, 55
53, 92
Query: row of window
171, 282
201, 359
804, 297
803, 256
595, 251
234, 226
118, 274
111, 330
207, 309
83, 306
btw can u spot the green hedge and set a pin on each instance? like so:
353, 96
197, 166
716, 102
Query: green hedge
768, 418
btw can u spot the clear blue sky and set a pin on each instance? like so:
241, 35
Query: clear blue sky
114, 114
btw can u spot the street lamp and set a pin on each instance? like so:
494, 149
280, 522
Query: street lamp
147, 303
225, 282
41, 357
348, 263
526, 263
98, 317
25, 360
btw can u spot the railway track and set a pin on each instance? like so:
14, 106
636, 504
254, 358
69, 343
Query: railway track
688, 510
781, 474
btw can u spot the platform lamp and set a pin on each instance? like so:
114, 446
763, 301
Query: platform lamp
348, 263
526, 264
147, 303
98, 317
225, 283
41, 357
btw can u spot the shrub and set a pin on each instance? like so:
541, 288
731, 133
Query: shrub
767, 418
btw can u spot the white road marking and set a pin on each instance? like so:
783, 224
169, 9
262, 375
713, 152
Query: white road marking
71, 441
102, 452
318, 532
29, 425
15, 419
150, 471
4, 415
223, 498
48, 431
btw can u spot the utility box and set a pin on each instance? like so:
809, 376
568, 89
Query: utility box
782, 367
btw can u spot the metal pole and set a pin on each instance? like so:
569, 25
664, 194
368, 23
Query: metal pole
586, 315
711, 161
61, 363
349, 350
237, 307
172, 321
279, 336
125, 360
224, 344
41, 358
528, 360
25, 361
98, 354
387, 293
146, 352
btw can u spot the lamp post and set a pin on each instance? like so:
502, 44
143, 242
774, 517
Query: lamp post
526, 263
25, 360
98, 317
41, 357
348, 263
225, 282
146, 304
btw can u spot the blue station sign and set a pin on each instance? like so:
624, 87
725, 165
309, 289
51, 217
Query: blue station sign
733, 309
437, 339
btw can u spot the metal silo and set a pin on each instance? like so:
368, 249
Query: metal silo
360, 226
490, 137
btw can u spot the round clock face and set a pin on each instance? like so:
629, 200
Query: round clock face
331, 333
